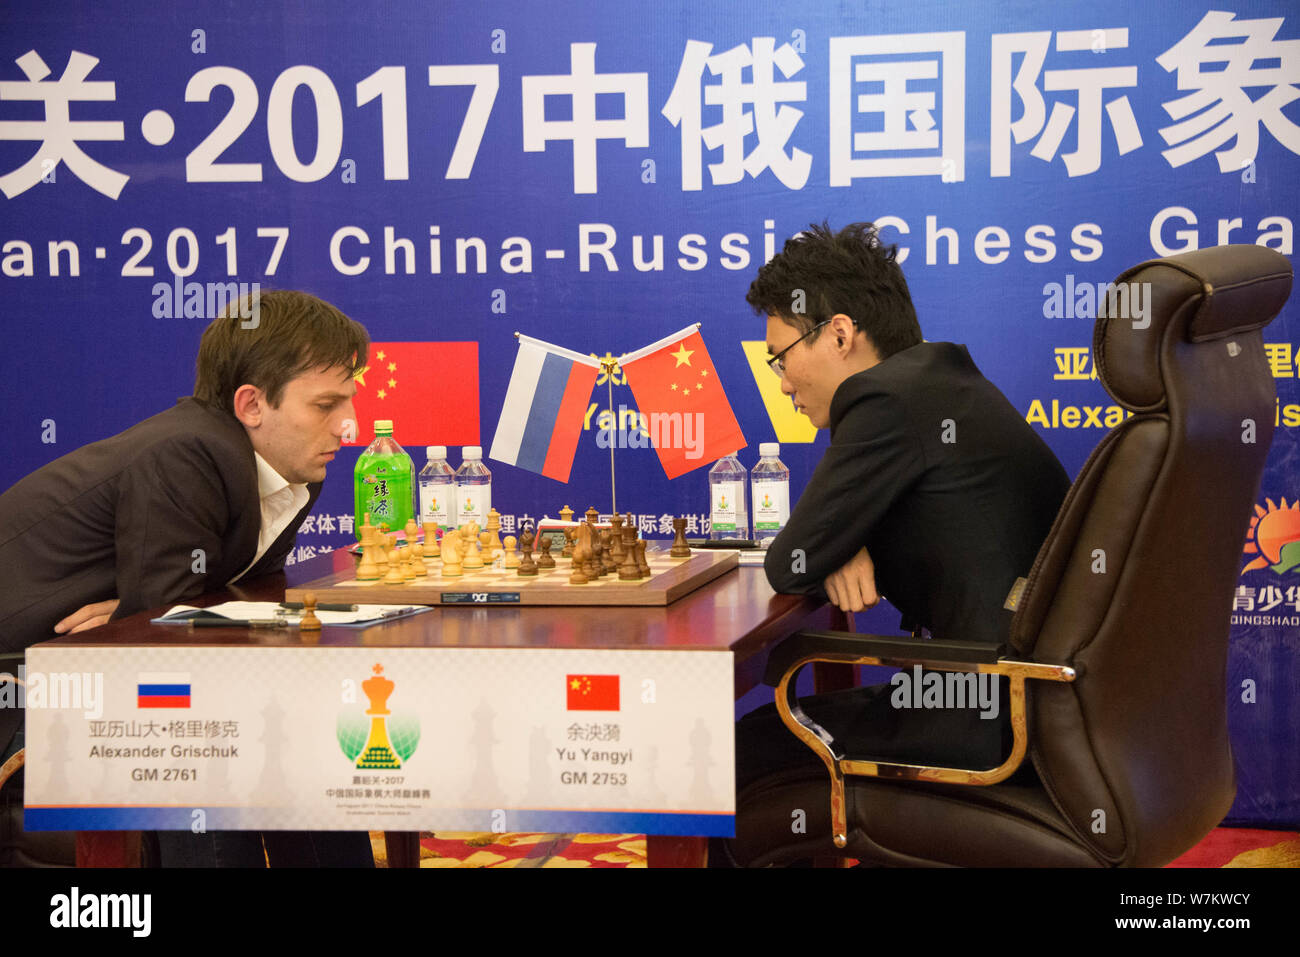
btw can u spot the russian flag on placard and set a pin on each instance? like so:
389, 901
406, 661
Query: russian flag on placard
163, 690
546, 400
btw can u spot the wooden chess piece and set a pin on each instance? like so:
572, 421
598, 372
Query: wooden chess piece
309, 621
381, 548
395, 574
431, 549
472, 557
417, 560
511, 556
451, 567
494, 532
607, 564
593, 516
545, 559
566, 515
527, 567
368, 570
641, 562
411, 531
407, 563
680, 549
616, 539
581, 554
627, 569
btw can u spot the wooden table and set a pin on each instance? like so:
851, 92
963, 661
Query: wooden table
737, 612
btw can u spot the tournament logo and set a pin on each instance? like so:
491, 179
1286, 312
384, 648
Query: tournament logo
1274, 537
378, 739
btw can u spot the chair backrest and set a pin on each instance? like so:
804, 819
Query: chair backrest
1134, 584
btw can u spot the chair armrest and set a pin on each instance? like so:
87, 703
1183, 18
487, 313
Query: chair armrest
817, 645
803, 648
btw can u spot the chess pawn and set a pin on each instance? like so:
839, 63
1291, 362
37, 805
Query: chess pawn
418, 564
641, 562
680, 549
431, 549
395, 574
411, 531
485, 547
309, 621
512, 556
545, 560
616, 539
472, 558
451, 567
527, 567
408, 564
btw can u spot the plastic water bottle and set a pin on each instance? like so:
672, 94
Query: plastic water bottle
729, 517
438, 489
770, 484
383, 482
473, 488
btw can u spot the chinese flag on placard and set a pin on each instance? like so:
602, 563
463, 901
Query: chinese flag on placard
428, 389
592, 692
675, 379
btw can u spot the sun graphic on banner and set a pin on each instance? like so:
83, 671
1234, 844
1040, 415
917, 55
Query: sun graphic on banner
1274, 537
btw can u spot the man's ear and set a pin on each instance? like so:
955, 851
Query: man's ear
249, 405
843, 328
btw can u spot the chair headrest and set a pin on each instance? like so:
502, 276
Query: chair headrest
1211, 293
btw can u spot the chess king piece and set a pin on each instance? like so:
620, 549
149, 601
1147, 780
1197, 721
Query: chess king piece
378, 753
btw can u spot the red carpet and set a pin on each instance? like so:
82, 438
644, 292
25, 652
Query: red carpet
1222, 847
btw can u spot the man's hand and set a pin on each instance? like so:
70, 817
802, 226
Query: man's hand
853, 587
87, 617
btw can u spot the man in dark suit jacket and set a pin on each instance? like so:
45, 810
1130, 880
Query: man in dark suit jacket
934, 492
195, 497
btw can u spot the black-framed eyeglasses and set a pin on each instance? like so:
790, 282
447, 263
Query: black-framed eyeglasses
776, 363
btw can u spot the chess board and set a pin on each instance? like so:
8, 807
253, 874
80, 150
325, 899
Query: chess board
670, 579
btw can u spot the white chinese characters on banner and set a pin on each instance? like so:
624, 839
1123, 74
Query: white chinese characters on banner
1089, 84
581, 85
1219, 109
58, 133
771, 119
906, 112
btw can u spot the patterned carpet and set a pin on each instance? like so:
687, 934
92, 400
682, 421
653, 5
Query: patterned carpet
1222, 847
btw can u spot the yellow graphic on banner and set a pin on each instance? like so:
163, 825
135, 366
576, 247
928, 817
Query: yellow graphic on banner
790, 426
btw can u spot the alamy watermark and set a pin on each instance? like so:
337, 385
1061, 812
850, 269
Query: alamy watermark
204, 300
952, 689
1083, 300
82, 690
660, 430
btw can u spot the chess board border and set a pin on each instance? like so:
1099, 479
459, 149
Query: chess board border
663, 587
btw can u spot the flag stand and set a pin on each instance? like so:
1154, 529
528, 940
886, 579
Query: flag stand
608, 366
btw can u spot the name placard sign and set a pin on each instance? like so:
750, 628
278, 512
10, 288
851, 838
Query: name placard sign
405, 739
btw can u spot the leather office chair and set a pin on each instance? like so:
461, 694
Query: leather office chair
1125, 612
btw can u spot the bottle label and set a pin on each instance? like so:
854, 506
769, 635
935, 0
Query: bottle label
436, 503
725, 506
473, 502
771, 505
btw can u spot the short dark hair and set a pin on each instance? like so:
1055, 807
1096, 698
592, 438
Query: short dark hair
269, 338
849, 272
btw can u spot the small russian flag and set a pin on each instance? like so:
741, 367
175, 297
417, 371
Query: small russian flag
163, 690
546, 401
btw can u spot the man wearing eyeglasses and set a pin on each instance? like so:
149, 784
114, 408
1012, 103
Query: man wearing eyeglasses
934, 493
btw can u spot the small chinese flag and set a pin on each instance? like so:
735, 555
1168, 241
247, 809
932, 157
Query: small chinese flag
677, 390
428, 389
592, 692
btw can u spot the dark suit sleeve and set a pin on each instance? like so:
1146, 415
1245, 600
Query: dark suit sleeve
858, 479
172, 511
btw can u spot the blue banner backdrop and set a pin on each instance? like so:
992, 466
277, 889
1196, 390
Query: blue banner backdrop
600, 176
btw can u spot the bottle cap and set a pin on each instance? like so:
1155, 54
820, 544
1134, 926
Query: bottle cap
472, 453
435, 452
383, 426
769, 449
